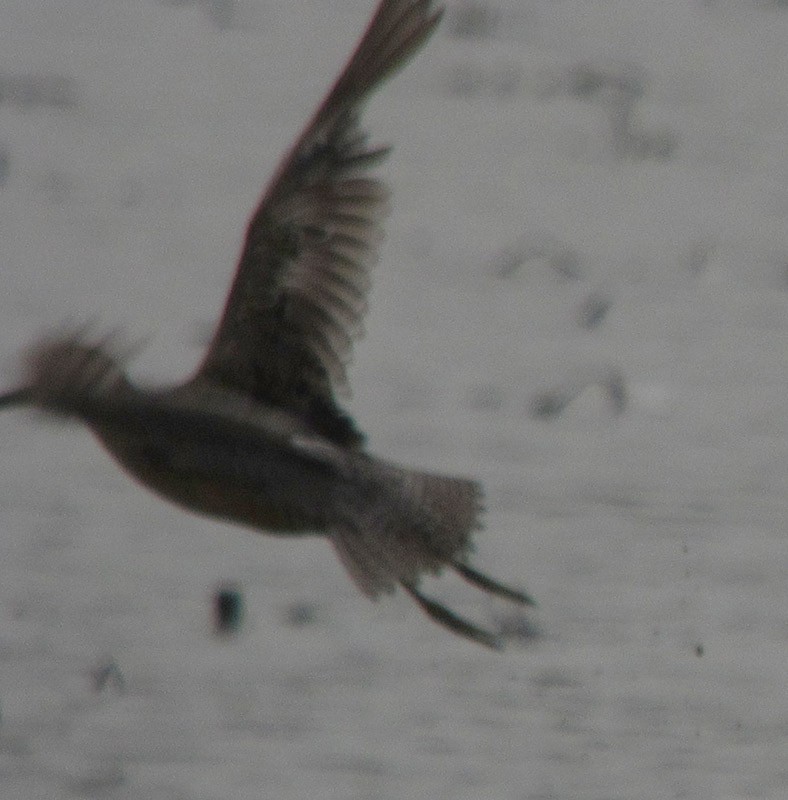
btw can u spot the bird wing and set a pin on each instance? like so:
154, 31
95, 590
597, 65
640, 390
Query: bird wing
300, 289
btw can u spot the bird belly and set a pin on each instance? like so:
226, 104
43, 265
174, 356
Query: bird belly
266, 488
254, 509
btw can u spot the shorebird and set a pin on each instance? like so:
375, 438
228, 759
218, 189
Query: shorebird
256, 436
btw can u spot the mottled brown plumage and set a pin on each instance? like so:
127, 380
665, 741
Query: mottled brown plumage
256, 436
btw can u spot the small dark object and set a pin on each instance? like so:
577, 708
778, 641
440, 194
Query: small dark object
551, 403
108, 672
519, 627
619, 88
592, 311
228, 610
699, 650
298, 615
587, 80
559, 256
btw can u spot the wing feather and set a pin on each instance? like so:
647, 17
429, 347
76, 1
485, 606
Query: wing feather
300, 290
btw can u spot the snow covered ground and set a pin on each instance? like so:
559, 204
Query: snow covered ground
585, 192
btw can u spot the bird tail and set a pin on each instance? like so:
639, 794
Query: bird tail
412, 523
404, 524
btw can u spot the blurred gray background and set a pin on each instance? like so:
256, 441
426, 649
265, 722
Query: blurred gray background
582, 301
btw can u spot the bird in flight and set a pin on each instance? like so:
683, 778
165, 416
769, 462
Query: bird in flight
256, 436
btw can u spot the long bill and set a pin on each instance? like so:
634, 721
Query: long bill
17, 397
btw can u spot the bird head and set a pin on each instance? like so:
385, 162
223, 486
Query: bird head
63, 370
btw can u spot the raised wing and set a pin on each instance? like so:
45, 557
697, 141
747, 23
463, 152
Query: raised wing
300, 290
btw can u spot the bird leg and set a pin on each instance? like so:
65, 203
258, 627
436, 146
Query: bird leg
487, 584
454, 622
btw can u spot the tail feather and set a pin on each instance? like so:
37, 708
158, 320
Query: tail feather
365, 561
405, 524
453, 507
416, 523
